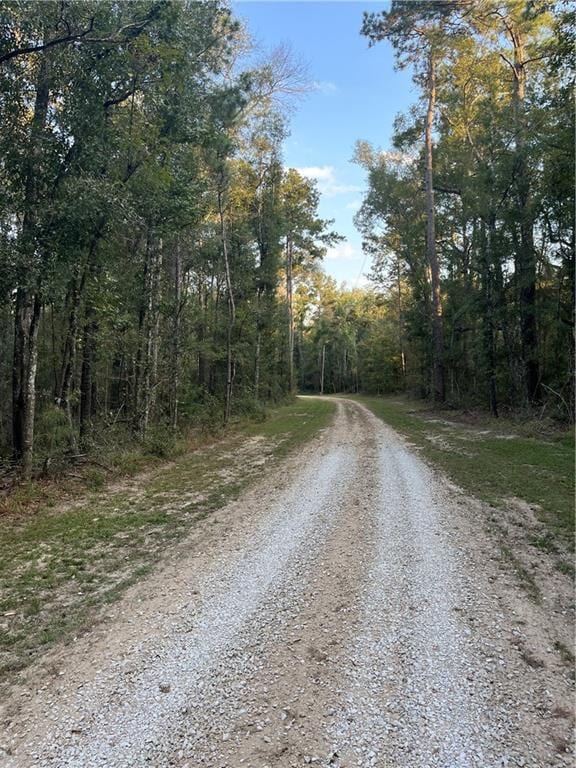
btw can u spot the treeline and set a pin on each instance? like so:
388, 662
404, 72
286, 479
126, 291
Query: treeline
148, 230
470, 219
347, 339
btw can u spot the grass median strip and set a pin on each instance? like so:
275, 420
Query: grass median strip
60, 565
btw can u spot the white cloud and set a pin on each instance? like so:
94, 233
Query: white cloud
354, 205
318, 172
324, 86
328, 185
343, 252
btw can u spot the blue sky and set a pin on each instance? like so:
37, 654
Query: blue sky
357, 96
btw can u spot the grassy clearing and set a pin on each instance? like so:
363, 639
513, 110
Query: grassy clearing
61, 564
495, 460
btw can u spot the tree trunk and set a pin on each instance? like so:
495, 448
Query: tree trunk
28, 303
322, 366
27, 319
439, 384
148, 330
258, 348
69, 356
290, 304
230, 364
87, 374
301, 360
176, 331
154, 325
400, 326
488, 319
526, 255
201, 332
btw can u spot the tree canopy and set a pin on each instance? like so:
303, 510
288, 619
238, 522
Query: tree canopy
469, 219
145, 222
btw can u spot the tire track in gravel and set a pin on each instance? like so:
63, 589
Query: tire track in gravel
291, 693
412, 699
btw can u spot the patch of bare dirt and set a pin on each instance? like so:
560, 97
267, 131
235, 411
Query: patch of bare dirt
440, 442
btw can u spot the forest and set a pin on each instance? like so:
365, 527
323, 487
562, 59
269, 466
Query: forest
160, 267
148, 229
469, 220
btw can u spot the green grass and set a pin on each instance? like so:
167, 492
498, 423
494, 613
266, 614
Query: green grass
493, 459
60, 565
297, 423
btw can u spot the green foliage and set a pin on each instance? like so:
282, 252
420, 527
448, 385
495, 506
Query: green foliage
160, 442
250, 408
53, 432
144, 199
201, 408
503, 210
356, 332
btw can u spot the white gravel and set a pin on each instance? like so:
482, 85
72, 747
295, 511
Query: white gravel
335, 620
417, 693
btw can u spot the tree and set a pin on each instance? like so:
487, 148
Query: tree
502, 72
522, 24
306, 237
414, 30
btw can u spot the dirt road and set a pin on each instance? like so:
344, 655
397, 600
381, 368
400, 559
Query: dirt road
349, 610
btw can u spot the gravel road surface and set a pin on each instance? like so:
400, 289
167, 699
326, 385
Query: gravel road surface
349, 610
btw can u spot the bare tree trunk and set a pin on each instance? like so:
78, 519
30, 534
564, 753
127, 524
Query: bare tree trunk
258, 349
148, 330
259, 296
290, 304
176, 331
27, 319
139, 365
154, 324
301, 360
143, 413
322, 369
230, 365
212, 313
201, 329
526, 256
439, 383
400, 325
28, 303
